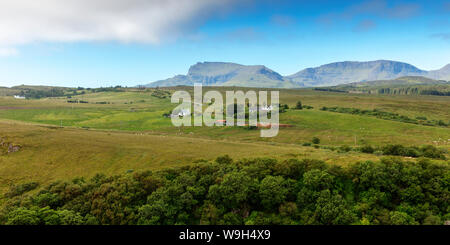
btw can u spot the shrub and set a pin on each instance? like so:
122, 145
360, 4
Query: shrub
226, 159
344, 148
315, 140
425, 151
17, 190
394, 150
22, 216
378, 153
367, 149
432, 152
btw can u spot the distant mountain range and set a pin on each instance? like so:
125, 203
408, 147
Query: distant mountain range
231, 74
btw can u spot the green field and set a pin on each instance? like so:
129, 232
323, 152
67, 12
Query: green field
128, 131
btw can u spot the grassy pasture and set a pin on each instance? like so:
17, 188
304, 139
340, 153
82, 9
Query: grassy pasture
50, 153
129, 132
139, 111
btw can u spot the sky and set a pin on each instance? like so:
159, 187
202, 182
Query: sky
94, 43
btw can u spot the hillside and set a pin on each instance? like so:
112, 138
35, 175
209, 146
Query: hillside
443, 73
406, 80
403, 85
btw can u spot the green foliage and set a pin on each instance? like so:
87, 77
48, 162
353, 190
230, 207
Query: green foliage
401, 218
424, 151
315, 140
161, 94
22, 216
226, 159
37, 94
255, 192
367, 149
272, 191
233, 191
386, 116
299, 106
344, 148
332, 209
17, 190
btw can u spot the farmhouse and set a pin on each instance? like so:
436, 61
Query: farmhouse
182, 113
19, 97
266, 108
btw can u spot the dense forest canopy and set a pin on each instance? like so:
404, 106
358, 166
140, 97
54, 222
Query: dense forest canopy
253, 192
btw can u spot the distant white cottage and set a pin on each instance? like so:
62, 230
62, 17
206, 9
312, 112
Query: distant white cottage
182, 113
266, 108
19, 97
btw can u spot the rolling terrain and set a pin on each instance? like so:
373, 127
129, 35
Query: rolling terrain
117, 131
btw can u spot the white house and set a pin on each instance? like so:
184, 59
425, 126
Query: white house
19, 97
266, 108
182, 113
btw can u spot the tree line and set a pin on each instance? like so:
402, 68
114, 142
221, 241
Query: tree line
387, 116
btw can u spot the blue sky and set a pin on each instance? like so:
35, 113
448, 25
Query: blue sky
108, 43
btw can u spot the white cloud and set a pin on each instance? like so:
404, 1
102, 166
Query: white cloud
145, 21
8, 52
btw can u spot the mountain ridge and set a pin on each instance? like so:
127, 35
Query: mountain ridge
332, 74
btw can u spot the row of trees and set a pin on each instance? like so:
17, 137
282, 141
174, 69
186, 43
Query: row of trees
37, 94
387, 116
415, 90
428, 151
253, 192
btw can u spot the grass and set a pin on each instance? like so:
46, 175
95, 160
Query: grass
130, 132
139, 111
50, 153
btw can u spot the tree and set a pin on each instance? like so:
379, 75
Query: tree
299, 106
401, 218
331, 209
210, 214
315, 140
272, 191
69, 217
233, 191
432, 220
318, 180
23, 216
